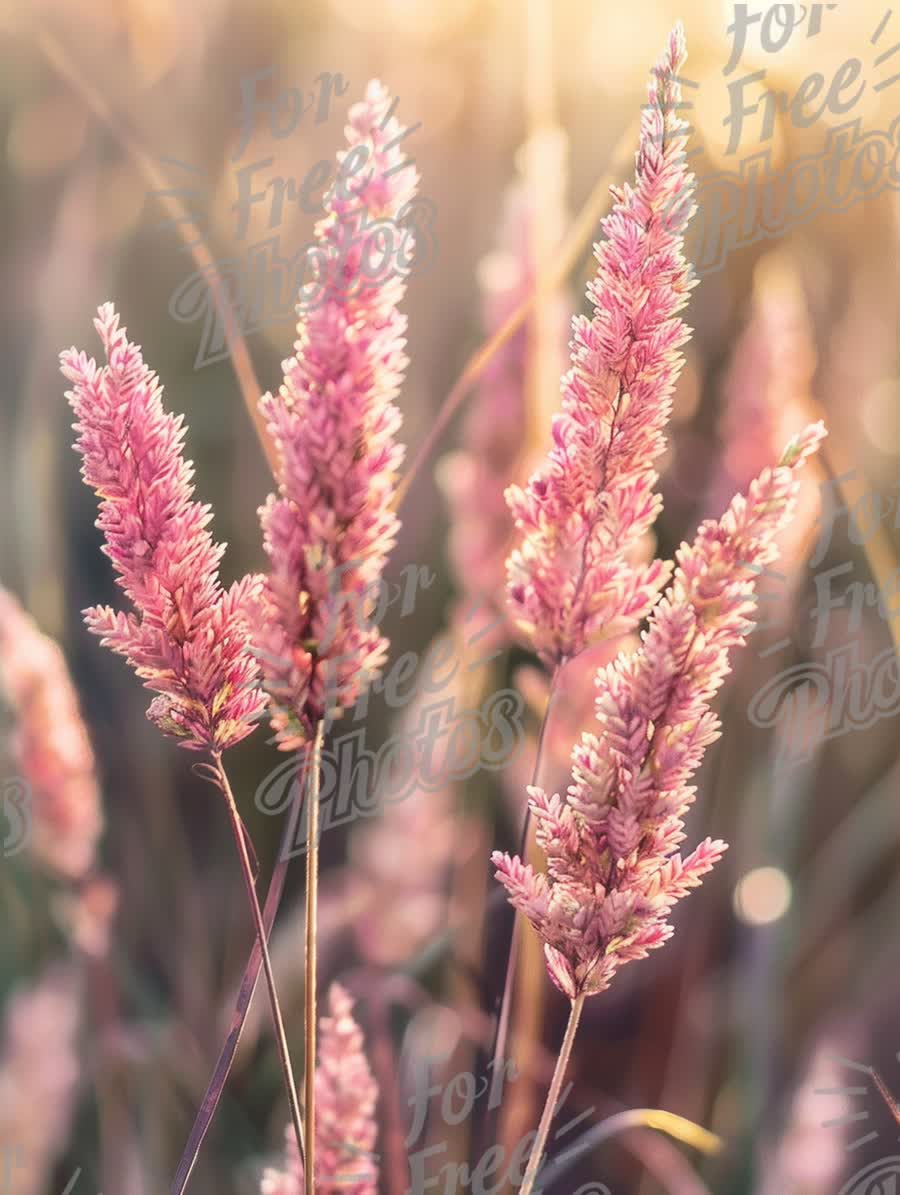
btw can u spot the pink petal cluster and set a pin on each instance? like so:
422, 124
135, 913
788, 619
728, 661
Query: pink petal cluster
346, 1094
50, 746
188, 638
571, 582
329, 529
614, 870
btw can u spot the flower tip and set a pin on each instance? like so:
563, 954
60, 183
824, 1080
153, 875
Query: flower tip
107, 321
340, 1002
676, 52
68, 364
504, 865
376, 90
803, 445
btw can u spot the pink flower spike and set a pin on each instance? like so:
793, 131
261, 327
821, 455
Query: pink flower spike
573, 580
613, 866
50, 745
187, 638
329, 529
346, 1094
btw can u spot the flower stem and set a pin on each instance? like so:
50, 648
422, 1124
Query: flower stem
216, 1084
247, 868
511, 947
311, 965
885, 1093
562, 1062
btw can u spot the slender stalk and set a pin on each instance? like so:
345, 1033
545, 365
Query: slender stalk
394, 1166
311, 966
247, 868
562, 1062
511, 948
518, 1112
220, 1074
885, 1093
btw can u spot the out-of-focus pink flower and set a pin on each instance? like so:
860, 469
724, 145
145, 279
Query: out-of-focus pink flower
813, 1147
346, 1094
767, 400
188, 638
767, 389
571, 582
50, 746
406, 894
38, 1080
475, 477
614, 871
494, 432
87, 914
329, 529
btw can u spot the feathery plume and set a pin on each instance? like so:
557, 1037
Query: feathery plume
329, 529
570, 582
346, 1094
38, 1079
50, 747
188, 638
614, 871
